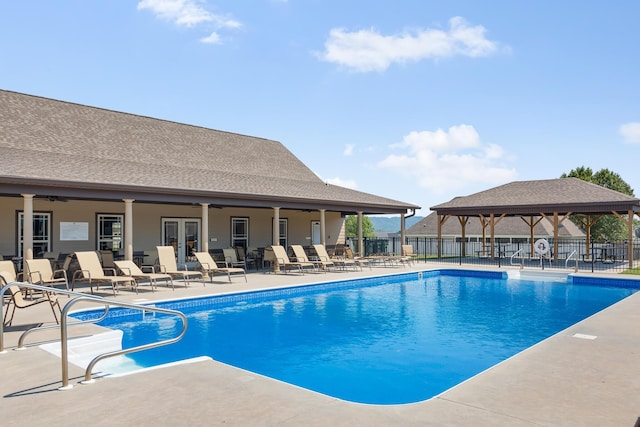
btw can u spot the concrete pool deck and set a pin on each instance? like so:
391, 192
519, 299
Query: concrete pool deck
562, 381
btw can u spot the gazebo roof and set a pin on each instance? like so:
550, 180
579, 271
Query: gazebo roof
562, 195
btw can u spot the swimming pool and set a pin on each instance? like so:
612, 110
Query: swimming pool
387, 340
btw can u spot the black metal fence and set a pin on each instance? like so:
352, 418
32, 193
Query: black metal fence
571, 253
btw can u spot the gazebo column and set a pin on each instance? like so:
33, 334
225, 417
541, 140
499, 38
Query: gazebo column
492, 232
630, 237
628, 221
463, 220
360, 237
27, 226
483, 223
323, 228
555, 236
204, 247
439, 246
128, 229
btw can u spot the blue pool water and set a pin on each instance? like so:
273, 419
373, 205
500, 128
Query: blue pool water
389, 340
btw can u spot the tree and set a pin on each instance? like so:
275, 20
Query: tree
609, 227
351, 225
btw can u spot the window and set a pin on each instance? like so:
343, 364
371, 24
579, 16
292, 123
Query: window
41, 233
110, 228
283, 232
240, 232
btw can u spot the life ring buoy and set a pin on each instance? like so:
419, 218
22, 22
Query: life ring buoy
541, 246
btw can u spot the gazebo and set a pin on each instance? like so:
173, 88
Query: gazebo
555, 199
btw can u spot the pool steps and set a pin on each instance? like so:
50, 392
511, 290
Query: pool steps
537, 275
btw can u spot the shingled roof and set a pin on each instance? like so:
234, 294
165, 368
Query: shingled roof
561, 195
59, 148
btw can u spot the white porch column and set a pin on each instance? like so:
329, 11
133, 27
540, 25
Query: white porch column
27, 230
323, 229
276, 226
204, 247
128, 229
360, 237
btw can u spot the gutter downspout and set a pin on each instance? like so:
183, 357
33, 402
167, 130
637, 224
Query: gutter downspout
403, 219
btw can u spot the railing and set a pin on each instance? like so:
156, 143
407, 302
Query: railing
566, 263
64, 323
590, 256
521, 263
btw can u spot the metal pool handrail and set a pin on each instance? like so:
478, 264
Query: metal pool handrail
49, 289
566, 262
64, 327
521, 263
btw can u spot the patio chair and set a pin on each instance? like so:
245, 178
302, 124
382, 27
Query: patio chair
107, 259
284, 263
17, 301
210, 267
40, 272
231, 258
8, 272
91, 270
246, 257
167, 264
342, 262
53, 257
407, 252
301, 256
129, 268
401, 259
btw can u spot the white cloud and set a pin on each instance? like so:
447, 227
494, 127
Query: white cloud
212, 38
342, 182
444, 161
348, 150
189, 13
631, 132
368, 50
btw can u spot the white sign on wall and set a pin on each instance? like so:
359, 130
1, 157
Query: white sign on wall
74, 231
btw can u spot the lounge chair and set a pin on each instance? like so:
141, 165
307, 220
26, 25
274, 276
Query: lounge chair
91, 270
360, 261
301, 256
341, 262
210, 267
129, 268
167, 264
17, 301
284, 263
40, 272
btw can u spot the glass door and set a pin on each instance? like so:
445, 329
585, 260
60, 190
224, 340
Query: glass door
315, 233
183, 234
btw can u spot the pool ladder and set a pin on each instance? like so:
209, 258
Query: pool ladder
64, 324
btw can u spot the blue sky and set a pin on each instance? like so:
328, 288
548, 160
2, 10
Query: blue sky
419, 101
